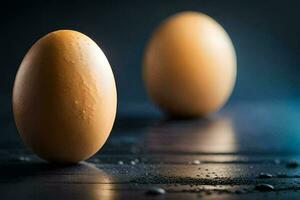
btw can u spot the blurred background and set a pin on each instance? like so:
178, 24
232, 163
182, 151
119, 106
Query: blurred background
266, 36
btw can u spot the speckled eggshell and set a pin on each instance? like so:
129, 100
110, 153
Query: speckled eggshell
64, 97
189, 65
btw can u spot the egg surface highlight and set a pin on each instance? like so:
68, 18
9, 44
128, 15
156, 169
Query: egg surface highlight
64, 97
189, 65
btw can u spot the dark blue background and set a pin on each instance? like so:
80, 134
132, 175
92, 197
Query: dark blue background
266, 36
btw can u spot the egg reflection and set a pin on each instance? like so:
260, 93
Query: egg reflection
196, 136
178, 143
82, 181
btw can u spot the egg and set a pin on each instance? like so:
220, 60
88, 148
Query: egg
64, 97
189, 65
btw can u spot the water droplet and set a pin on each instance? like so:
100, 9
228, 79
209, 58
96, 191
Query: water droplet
277, 161
264, 175
292, 164
96, 160
264, 187
120, 162
155, 191
196, 162
132, 162
24, 158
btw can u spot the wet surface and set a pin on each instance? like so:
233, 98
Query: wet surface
246, 152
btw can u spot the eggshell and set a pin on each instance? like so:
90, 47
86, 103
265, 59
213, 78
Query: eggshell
64, 97
189, 65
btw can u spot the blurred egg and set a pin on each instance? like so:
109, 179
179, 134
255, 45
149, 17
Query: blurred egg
64, 97
189, 65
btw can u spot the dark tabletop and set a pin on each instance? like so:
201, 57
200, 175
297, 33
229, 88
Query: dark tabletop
230, 155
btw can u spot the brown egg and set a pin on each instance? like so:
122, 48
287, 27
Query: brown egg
189, 65
64, 97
